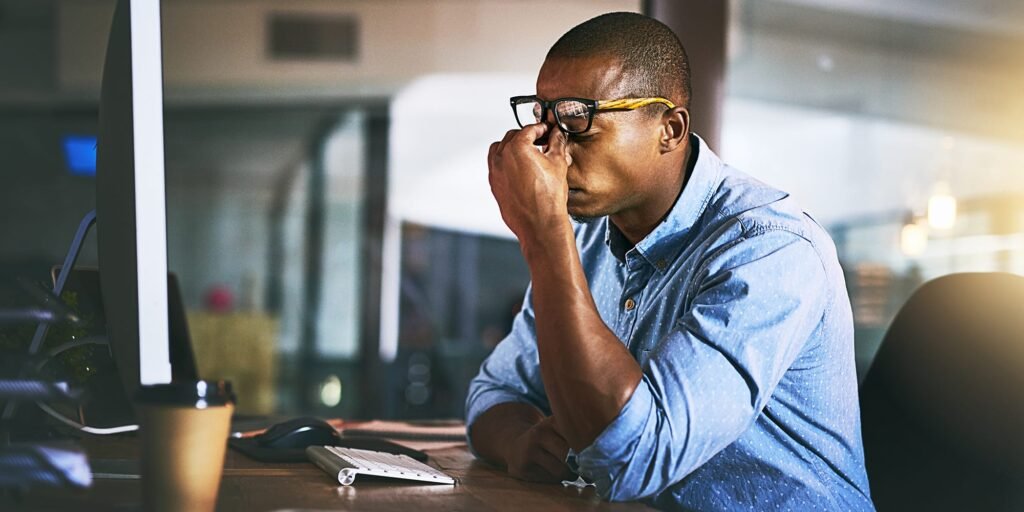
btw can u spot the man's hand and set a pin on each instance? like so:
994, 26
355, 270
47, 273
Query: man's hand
538, 454
519, 437
529, 181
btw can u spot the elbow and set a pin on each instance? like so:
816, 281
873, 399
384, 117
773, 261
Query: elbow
639, 455
602, 415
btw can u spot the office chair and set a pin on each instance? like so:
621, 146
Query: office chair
942, 405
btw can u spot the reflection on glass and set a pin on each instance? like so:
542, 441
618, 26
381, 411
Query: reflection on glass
915, 174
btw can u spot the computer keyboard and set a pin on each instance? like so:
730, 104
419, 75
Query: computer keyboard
346, 463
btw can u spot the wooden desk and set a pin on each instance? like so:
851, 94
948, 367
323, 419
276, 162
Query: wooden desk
248, 485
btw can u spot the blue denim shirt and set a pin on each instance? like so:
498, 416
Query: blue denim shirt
736, 309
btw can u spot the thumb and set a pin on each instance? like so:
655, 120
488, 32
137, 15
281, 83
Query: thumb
556, 147
532, 132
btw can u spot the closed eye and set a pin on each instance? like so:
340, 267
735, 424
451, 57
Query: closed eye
581, 137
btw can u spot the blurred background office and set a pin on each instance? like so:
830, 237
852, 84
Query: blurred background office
329, 217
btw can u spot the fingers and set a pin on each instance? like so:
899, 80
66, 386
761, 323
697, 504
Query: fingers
540, 454
531, 133
555, 449
557, 147
551, 441
509, 135
537, 465
553, 470
556, 143
492, 154
496, 148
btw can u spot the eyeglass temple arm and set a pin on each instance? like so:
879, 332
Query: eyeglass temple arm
632, 103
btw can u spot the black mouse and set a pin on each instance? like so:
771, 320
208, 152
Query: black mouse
299, 433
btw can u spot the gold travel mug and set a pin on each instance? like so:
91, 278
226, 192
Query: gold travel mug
184, 428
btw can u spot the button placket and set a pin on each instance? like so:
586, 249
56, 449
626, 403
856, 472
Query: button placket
632, 288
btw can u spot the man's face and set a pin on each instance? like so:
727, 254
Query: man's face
613, 164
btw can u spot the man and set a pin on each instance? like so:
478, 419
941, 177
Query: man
690, 342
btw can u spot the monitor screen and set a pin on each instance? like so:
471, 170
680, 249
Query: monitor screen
130, 202
80, 154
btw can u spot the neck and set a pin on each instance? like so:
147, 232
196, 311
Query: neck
637, 223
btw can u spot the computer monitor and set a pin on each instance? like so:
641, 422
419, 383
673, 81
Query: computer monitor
130, 201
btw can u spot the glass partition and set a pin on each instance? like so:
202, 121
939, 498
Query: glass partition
893, 124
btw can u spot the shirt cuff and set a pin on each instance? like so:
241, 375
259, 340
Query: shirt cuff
604, 461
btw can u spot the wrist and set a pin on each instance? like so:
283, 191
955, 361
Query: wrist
553, 241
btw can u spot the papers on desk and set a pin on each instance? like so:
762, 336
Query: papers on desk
418, 436
55, 464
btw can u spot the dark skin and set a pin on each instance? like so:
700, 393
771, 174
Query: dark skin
630, 167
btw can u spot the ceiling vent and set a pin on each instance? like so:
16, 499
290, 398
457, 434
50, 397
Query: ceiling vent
313, 37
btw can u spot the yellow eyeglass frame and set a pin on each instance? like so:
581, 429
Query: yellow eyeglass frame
591, 106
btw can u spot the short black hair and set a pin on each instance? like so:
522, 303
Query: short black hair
653, 60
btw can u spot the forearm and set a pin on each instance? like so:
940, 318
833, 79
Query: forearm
588, 373
493, 432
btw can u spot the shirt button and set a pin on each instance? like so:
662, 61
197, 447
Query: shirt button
630, 304
661, 264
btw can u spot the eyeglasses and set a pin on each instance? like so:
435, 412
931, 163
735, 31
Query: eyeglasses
573, 115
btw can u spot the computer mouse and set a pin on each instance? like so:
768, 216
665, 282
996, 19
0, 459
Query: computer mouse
299, 433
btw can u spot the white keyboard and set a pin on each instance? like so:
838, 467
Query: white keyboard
346, 463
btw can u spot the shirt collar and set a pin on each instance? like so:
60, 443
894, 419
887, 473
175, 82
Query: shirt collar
661, 245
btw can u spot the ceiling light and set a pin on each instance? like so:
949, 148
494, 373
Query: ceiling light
914, 239
942, 209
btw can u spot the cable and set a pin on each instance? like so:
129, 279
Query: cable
84, 428
91, 340
88, 340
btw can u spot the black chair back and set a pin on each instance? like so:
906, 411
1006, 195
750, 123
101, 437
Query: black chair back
943, 402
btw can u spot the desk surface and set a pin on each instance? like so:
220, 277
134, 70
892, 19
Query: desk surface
255, 486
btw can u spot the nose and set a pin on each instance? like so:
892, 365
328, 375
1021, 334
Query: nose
549, 119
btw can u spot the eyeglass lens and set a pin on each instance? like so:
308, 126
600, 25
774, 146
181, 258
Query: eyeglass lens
573, 116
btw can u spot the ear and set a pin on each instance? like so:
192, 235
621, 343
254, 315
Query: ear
675, 129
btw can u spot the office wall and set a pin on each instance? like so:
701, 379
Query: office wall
26, 48
41, 203
217, 48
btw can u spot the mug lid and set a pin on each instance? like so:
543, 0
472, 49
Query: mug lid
196, 393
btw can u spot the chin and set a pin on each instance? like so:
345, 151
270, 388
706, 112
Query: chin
583, 214
583, 207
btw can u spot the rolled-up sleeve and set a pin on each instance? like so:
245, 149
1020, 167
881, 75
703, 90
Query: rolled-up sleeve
758, 302
511, 373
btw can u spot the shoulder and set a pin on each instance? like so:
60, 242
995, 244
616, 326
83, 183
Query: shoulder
755, 206
745, 211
